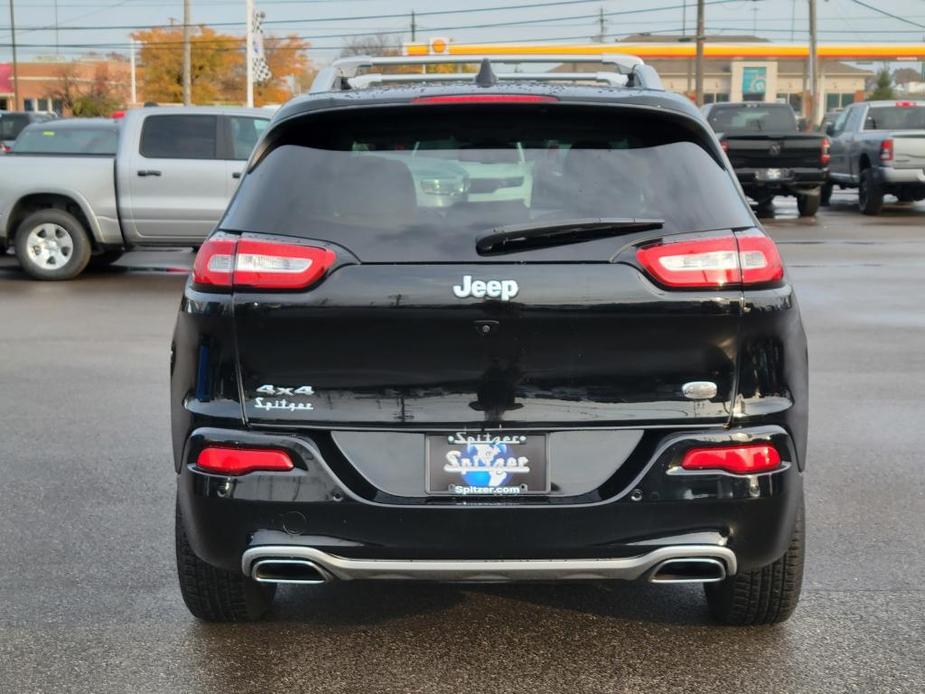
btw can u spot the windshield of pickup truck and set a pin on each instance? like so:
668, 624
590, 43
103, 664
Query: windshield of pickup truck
366, 182
43, 138
752, 119
911, 117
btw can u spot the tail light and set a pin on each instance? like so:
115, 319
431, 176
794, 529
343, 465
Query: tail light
240, 461
5, 148
724, 144
746, 257
825, 157
739, 460
886, 149
225, 261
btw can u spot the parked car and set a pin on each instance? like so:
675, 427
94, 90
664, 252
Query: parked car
605, 380
69, 199
769, 153
13, 122
878, 147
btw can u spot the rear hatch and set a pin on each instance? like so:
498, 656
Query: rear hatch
412, 327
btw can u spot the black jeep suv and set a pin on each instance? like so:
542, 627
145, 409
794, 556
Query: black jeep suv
485, 331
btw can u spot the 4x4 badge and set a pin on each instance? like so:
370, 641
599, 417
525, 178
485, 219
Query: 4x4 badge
494, 289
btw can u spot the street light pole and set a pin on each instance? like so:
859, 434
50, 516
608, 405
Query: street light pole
698, 82
187, 58
133, 84
15, 61
813, 66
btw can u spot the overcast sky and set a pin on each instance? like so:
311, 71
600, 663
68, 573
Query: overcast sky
325, 22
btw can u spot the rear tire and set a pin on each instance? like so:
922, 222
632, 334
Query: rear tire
808, 205
216, 595
767, 595
52, 245
825, 194
870, 194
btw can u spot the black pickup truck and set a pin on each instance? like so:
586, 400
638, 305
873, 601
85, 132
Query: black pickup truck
769, 153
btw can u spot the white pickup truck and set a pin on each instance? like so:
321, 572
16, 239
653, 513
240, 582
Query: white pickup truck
82, 191
878, 147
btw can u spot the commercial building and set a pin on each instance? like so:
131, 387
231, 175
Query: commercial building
47, 85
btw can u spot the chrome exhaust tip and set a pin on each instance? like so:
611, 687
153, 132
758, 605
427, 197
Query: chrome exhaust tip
689, 570
299, 571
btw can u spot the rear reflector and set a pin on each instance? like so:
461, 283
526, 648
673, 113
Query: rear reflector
240, 461
747, 257
223, 261
739, 460
486, 99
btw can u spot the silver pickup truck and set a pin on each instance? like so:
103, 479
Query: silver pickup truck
163, 179
878, 147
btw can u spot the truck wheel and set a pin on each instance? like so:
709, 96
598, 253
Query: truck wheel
765, 208
808, 205
870, 194
767, 595
216, 595
825, 194
52, 245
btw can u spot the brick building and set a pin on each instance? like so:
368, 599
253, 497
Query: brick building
43, 83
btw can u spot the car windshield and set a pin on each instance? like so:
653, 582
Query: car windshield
364, 181
12, 125
731, 119
48, 139
895, 118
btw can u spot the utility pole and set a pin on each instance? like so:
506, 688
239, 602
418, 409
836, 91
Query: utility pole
133, 85
601, 26
414, 27
813, 65
698, 86
249, 52
15, 61
187, 58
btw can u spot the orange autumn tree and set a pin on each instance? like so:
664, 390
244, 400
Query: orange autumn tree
217, 66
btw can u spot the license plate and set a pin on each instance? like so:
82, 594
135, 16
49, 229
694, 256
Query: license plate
473, 464
773, 174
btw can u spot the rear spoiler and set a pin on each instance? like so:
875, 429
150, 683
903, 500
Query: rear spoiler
627, 71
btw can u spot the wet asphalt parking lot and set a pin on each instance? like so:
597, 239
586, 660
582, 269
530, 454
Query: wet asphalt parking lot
88, 595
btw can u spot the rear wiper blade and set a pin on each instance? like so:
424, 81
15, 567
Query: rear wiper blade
525, 237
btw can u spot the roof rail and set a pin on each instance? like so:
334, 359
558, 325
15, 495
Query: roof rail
342, 74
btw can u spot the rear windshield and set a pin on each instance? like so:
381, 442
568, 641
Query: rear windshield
424, 183
752, 119
895, 118
47, 139
12, 125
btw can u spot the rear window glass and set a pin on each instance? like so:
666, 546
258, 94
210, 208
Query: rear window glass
46, 139
895, 118
11, 126
423, 182
756, 119
180, 137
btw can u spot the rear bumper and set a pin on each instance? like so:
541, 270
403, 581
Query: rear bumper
744, 521
795, 180
892, 176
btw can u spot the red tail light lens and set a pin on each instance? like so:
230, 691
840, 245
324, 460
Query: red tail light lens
886, 150
747, 257
724, 144
825, 157
486, 99
215, 261
225, 261
272, 265
759, 258
5, 148
240, 461
739, 460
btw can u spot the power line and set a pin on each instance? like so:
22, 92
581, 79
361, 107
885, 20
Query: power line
888, 14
